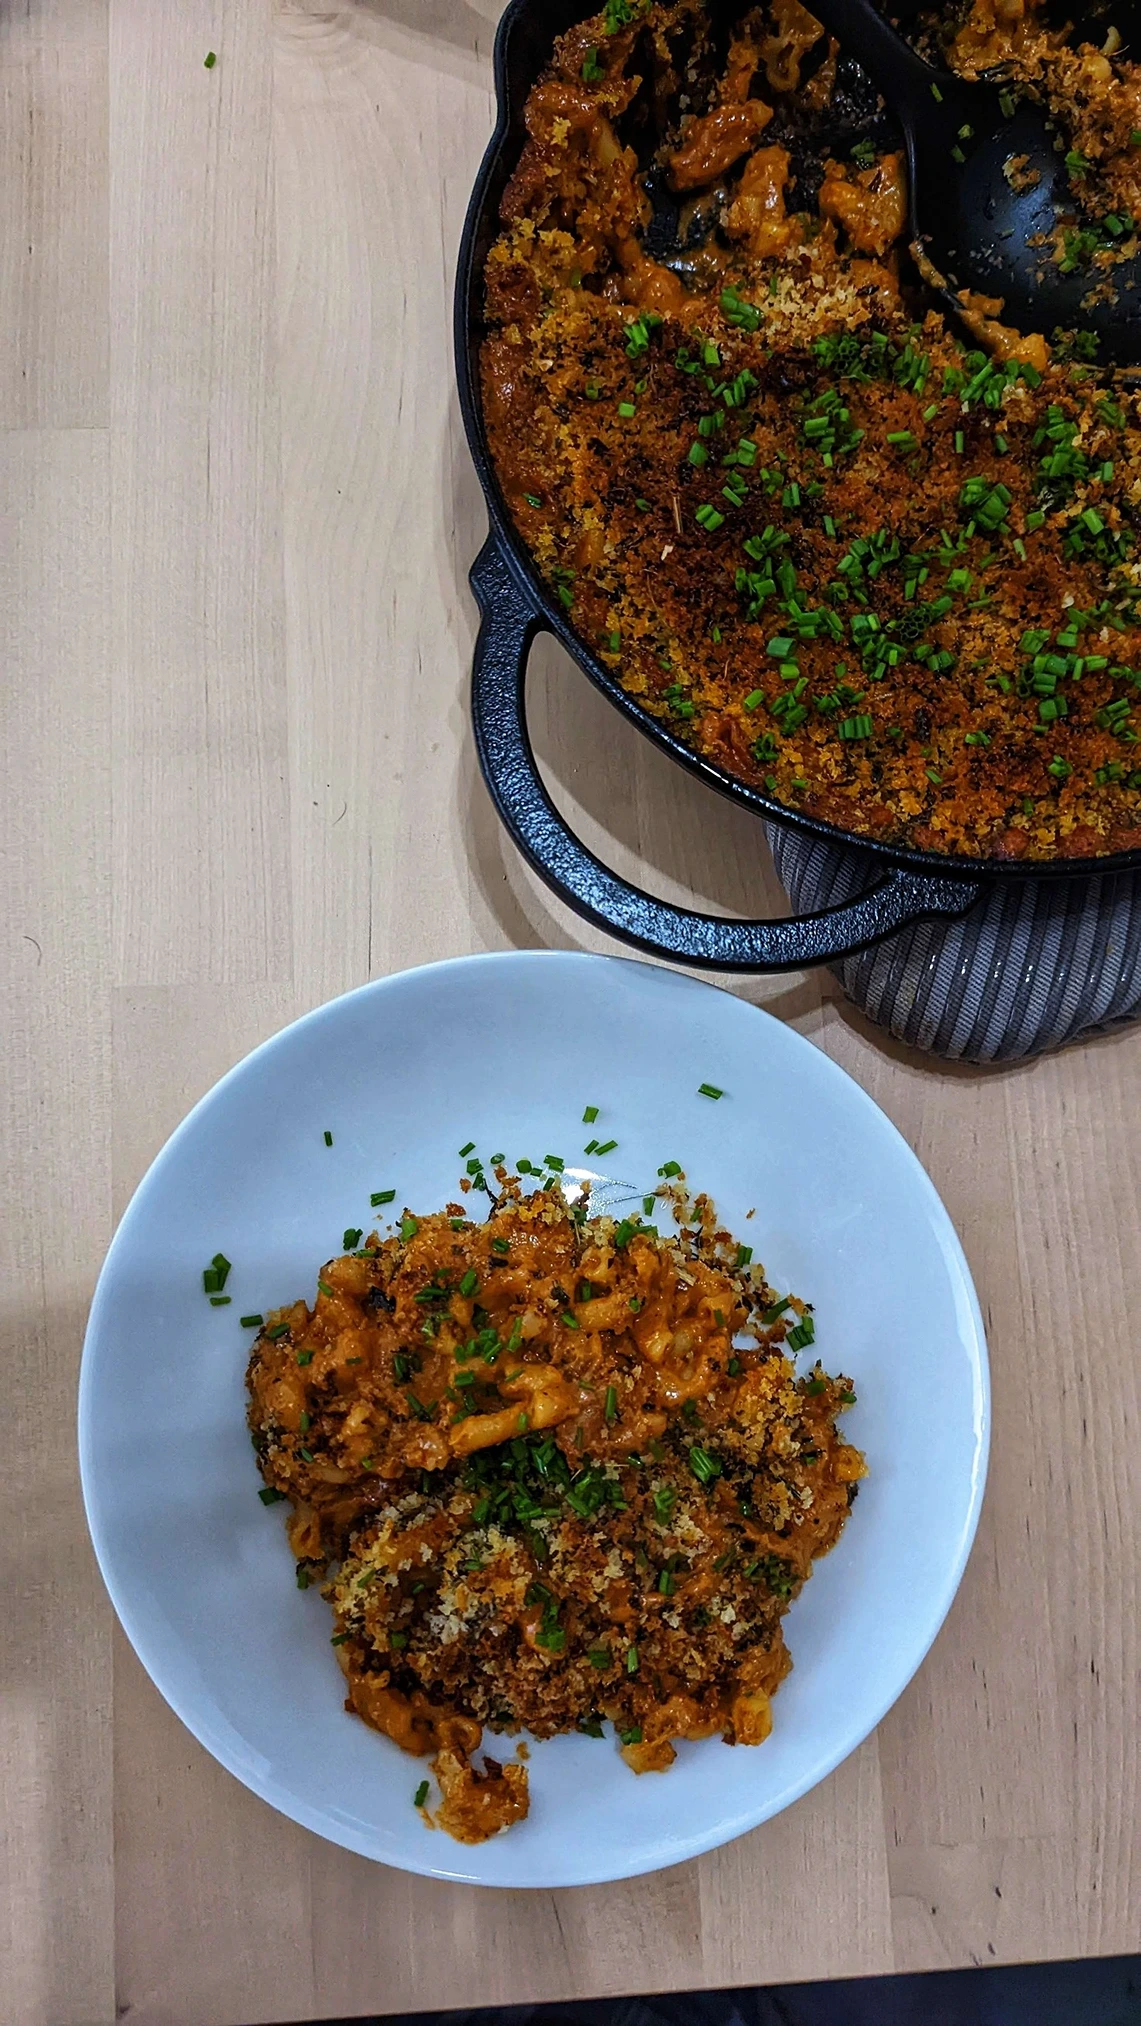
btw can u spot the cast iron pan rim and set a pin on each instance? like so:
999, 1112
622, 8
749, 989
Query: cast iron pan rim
468, 327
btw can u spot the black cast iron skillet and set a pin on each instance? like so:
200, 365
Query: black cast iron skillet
515, 605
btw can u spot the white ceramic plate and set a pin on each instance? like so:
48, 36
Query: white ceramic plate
507, 1051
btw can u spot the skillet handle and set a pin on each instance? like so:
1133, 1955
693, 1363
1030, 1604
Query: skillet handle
510, 621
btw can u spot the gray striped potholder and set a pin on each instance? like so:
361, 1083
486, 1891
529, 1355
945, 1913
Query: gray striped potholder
1036, 964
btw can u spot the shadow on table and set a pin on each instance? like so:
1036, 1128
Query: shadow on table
1100, 1993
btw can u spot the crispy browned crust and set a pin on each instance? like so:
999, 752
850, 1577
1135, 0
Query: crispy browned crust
988, 741
544, 1484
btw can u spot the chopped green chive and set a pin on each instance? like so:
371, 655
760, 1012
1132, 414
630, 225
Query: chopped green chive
470, 1282
704, 1465
269, 1496
606, 1147
631, 1660
209, 60
220, 1300
590, 1114
328, 1137
251, 1322
306, 1358
469, 1149
325, 1289
351, 1238
611, 1408
380, 1196
709, 1090
409, 1226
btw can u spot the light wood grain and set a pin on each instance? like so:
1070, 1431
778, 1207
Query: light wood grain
239, 778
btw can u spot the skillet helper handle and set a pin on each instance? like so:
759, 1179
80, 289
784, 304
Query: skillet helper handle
510, 621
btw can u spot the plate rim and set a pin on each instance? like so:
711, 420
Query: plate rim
213, 1738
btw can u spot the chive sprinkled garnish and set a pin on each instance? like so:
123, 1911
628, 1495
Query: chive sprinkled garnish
270, 1496
324, 1288
744, 1258
328, 1137
380, 1196
278, 1330
670, 1168
251, 1322
306, 1455
610, 1410
215, 1275
709, 1090
631, 1660
590, 1114
469, 1149
665, 1497
220, 1300
606, 1147
598, 1656
409, 1226
352, 1238
421, 1795
210, 59
306, 1358
804, 1333
704, 1464
470, 1282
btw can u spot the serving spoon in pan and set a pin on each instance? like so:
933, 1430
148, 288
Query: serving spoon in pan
989, 190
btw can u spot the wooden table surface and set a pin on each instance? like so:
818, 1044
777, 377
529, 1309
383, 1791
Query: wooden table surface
237, 515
